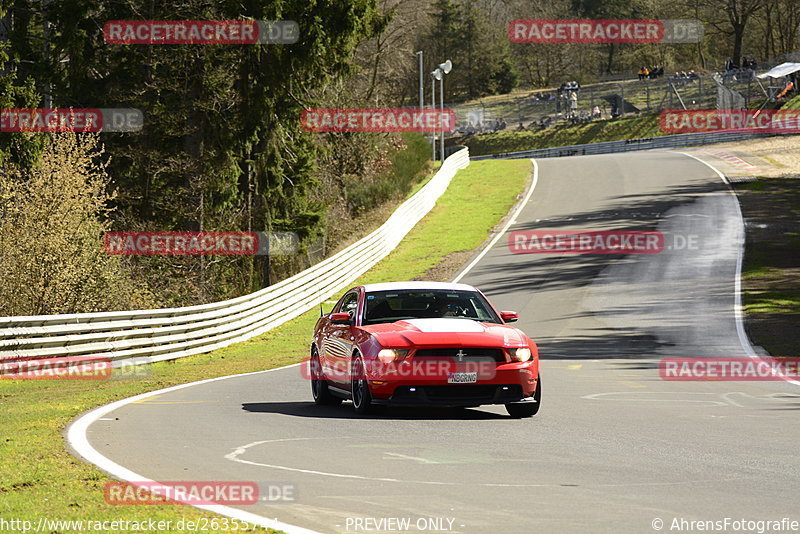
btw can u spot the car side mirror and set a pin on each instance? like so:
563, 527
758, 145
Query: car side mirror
509, 316
340, 318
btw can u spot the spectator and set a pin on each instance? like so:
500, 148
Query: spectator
748, 69
785, 90
596, 112
573, 103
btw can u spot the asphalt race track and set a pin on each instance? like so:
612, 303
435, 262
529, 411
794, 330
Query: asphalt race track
614, 448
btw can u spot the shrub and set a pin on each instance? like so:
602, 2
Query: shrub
52, 218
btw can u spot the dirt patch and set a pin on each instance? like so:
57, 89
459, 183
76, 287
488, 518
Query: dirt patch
448, 267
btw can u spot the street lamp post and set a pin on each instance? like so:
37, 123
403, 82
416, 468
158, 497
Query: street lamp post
441, 116
421, 89
421, 82
437, 75
444, 68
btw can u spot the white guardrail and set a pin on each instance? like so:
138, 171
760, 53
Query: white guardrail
146, 336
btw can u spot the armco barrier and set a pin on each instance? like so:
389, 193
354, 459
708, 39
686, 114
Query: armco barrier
145, 336
629, 145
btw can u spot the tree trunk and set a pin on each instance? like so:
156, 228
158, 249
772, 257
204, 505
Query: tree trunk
610, 58
738, 37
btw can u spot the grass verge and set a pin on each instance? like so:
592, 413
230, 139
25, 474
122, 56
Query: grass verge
794, 103
39, 478
563, 135
771, 270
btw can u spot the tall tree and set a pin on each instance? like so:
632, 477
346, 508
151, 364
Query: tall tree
463, 33
731, 18
222, 144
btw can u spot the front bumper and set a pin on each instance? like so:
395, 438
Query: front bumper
454, 395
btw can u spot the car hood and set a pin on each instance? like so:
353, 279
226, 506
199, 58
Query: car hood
446, 332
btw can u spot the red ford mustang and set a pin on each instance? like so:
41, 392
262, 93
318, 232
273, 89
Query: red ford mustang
423, 343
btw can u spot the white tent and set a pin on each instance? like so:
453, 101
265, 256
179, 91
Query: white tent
784, 69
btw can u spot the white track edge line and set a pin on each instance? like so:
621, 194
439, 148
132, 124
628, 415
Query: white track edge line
505, 228
78, 440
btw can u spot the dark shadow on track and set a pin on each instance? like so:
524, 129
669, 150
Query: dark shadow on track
792, 406
608, 344
549, 272
309, 409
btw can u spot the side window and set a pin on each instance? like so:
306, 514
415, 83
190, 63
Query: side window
349, 304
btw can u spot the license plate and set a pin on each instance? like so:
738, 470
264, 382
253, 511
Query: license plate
462, 378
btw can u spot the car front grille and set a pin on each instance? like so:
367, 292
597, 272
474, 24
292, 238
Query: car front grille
471, 354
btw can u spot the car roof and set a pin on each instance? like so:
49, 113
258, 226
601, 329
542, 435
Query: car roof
394, 286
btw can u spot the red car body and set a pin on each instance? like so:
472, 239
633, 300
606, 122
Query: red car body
450, 360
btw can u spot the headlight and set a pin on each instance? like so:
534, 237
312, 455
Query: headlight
522, 354
391, 355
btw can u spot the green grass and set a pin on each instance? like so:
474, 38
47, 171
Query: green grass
771, 270
794, 103
460, 220
774, 302
38, 477
564, 135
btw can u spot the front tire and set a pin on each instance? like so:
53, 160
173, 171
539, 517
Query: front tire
319, 386
525, 410
362, 398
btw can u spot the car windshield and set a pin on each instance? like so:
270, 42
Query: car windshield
391, 306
